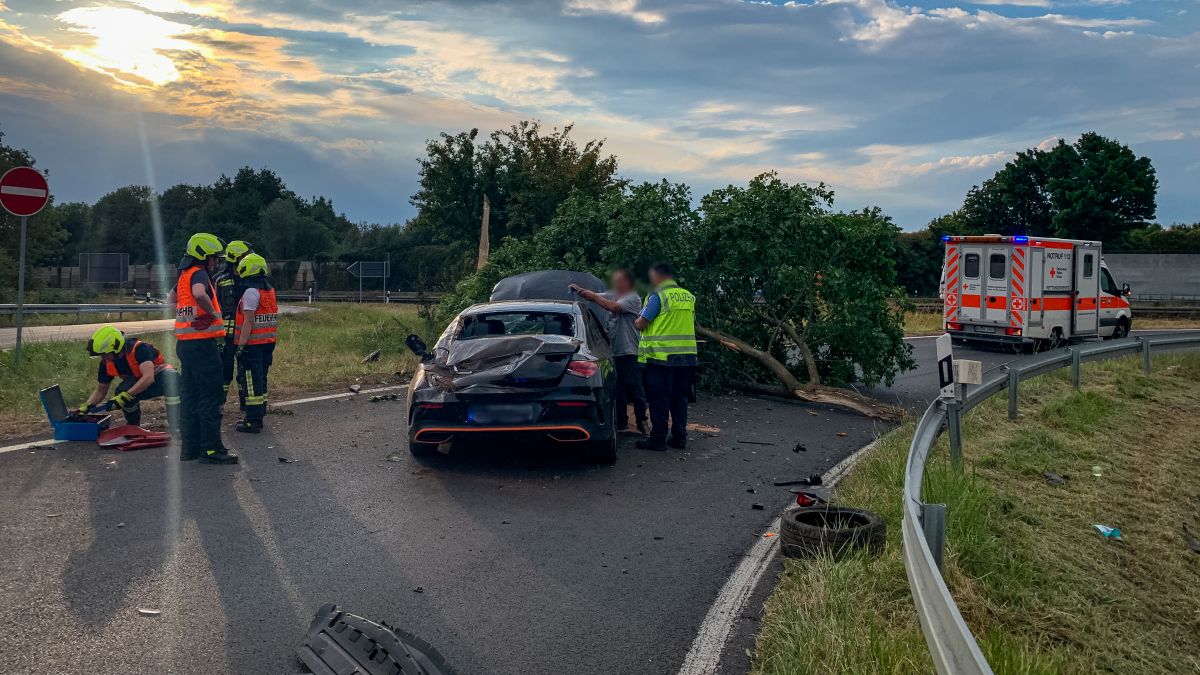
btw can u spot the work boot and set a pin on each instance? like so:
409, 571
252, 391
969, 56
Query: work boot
188, 456
248, 427
647, 445
219, 457
678, 443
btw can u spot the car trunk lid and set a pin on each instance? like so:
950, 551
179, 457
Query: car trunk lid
503, 364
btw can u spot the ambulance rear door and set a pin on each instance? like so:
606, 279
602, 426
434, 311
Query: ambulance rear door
971, 273
1087, 290
995, 272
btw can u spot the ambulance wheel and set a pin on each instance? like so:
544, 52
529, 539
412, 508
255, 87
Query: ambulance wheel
1121, 330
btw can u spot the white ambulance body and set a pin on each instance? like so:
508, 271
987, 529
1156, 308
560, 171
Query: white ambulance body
1030, 290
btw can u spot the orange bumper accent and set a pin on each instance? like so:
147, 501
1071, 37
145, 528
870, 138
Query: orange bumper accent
450, 432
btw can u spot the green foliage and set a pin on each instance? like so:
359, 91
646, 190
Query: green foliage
1096, 188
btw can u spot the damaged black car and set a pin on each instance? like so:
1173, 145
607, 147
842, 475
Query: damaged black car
531, 365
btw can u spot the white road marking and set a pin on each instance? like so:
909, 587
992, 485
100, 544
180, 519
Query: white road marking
705, 654
50, 441
22, 191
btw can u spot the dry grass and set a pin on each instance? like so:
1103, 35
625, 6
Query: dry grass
1042, 591
317, 351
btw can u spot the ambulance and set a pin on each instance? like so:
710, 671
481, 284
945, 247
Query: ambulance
1031, 291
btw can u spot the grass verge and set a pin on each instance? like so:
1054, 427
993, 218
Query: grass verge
321, 350
1041, 590
930, 323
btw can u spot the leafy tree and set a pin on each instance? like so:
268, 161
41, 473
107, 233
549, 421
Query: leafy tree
122, 223
1095, 188
782, 277
1158, 239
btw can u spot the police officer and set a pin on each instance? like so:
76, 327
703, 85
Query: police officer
256, 322
229, 291
667, 352
143, 372
198, 334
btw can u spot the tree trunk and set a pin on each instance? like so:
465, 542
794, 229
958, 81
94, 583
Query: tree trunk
484, 236
790, 387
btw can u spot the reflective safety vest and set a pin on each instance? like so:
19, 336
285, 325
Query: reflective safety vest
673, 331
266, 319
110, 361
192, 322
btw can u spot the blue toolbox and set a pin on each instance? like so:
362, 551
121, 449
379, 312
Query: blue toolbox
70, 426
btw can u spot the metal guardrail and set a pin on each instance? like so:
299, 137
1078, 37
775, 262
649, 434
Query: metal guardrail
8, 310
951, 644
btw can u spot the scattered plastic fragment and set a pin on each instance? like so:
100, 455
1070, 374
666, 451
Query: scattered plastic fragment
842, 433
754, 442
750, 490
659, 538
53, 515
814, 479
1055, 479
144, 611
1109, 532
372, 357
419, 589
1097, 471
768, 535
1191, 540
799, 448
355, 388
506, 522
757, 506
285, 460
120, 524
810, 412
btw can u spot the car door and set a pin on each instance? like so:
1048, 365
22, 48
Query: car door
995, 301
1087, 291
1110, 297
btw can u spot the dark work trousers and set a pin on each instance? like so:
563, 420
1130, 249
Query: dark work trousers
629, 390
228, 359
166, 385
667, 390
201, 395
253, 364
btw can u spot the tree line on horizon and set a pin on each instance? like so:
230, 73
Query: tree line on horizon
1095, 188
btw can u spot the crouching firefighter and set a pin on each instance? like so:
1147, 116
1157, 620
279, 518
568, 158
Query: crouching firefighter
229, 292
256, 322
144, 375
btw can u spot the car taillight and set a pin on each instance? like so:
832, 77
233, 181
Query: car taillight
571, 404
582, 368
1013, 331
953, 325
429, 406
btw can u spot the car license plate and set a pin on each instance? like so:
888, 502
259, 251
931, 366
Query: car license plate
985, 329
503, 413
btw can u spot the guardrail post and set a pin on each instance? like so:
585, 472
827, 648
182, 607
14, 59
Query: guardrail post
1014, 379
1076, 365
1145, 354
954, 425
933, 525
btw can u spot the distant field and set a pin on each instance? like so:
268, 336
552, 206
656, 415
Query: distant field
317, 351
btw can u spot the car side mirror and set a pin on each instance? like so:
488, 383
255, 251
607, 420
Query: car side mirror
417, 346
1126, 290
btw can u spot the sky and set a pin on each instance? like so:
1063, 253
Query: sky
901, 105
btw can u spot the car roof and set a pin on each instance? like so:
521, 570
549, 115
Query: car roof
523, 306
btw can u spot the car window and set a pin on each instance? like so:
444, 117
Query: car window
997, 266
1107, 284
491, 324
1089, 266
971, 268
597, 339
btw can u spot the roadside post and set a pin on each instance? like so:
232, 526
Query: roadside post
23, 192
949, 395
365, 269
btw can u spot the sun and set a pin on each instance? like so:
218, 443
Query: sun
127, 44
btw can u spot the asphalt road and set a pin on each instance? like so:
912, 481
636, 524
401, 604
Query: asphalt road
508, 559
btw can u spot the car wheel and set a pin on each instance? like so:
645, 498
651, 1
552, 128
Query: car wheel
603, 452
422, 449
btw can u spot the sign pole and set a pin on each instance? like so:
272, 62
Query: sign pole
360, 290
20, 295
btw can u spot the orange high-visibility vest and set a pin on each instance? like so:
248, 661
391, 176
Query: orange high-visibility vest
266, 319
192, 322
110, 361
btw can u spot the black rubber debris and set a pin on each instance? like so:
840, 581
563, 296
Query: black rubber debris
814, 479
757, 506
338, 643
1055, 479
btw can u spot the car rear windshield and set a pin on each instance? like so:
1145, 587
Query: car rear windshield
516, 323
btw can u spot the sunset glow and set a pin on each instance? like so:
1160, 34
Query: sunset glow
127, 44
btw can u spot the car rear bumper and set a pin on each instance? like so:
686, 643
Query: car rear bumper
560, 431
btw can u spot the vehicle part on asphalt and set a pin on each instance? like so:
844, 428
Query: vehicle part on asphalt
799, 448
757, 506
131, 437
809, 499
338, 643
754, 442
834, 530
814, 479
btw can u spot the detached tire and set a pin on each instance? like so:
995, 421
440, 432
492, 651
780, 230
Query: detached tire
833, 530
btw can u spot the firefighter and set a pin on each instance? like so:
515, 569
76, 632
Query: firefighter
144, 375
667, 352
199, 333
229, 291
256, 321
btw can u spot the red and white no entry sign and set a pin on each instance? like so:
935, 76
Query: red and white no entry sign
23, 191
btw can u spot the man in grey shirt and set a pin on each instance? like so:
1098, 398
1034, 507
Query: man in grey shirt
624, 304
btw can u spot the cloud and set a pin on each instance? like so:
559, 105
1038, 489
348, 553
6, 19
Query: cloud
624, 8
